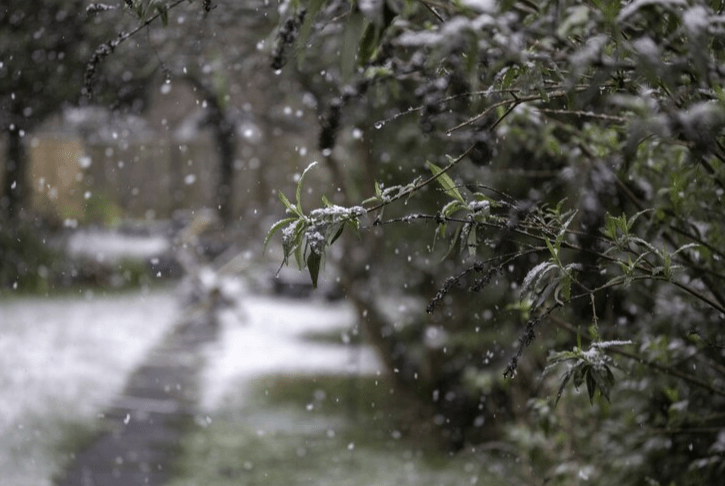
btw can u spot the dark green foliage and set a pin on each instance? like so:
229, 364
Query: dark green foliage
27, 263
606, 120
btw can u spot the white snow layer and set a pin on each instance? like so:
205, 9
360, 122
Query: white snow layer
268, 337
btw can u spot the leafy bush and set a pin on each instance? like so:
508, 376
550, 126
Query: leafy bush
27, 260
610, 115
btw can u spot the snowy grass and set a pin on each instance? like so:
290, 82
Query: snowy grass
277, 407
62, 359
322, 430
268, 335
282, 407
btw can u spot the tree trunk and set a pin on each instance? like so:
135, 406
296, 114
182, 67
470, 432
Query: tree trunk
224, 134
14, 189
225, 141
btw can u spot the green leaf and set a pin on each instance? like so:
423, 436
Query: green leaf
579, 374
621, 223
445, 181
451, 208
544, 293
298, 192
579, 341
454, 240
561, 356
635, 217
163, 11
564, 381
509, 77
687, 247
610, 227
646, 244
353, 224
591, 383
292, 240
298, 253
276, 227
602, 381
368, 43
562, 233
337, 234
472, 242
139, 9
535, 275
564, 289
313, 8
313, 266
350, 44
553, 252
288, 204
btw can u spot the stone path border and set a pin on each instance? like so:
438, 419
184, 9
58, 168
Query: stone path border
141, 431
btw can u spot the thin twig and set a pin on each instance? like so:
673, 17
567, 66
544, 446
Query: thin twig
419, 186
433, 11
107, 48
516, 101
587, 114
669, 371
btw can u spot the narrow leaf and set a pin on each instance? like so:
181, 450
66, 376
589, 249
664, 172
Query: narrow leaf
163, 13
276, 227
368, 43
313, 9
634, 218
337, 235
350, 44
602, 382
562, 232
472, 242
591, 384
579, 372
535, 274
287, 203
553, 252
298, 192
445, 181
313, 266
564, 381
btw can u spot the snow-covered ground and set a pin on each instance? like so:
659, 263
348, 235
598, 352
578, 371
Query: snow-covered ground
112, 245
265, 335
63, 359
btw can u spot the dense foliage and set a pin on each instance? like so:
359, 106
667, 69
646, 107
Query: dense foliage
577, 154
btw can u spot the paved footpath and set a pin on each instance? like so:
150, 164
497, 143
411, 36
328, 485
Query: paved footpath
141, 431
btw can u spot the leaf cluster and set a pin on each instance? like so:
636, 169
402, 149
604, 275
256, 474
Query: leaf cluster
594, 144
591, 367
307, 236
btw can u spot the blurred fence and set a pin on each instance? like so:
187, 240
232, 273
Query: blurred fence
96, 182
